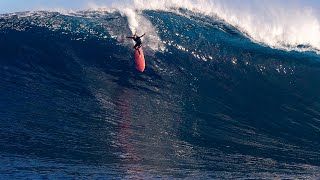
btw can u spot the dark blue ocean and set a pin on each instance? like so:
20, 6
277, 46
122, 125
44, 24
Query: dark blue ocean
211, 104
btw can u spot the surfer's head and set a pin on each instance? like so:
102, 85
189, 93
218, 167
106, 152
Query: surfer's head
135, 35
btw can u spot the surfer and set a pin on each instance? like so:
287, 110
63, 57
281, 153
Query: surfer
137, 39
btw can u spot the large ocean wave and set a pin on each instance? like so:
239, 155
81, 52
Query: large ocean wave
212, 103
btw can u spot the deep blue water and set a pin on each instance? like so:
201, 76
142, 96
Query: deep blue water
72, 104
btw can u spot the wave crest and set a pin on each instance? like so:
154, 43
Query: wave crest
283, 25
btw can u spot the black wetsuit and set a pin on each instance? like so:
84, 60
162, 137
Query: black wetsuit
138, 41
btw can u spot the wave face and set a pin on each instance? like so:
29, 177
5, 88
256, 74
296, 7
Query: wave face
211, 103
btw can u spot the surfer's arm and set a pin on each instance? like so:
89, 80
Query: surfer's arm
129, 37
142, 35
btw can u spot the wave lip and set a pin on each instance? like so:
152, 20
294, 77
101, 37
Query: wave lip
284, 25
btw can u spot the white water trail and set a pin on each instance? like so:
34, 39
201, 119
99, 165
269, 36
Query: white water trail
137, 24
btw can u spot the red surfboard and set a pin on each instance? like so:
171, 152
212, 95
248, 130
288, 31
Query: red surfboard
140, 62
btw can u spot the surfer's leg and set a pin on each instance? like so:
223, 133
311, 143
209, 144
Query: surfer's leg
139, 46
136, 47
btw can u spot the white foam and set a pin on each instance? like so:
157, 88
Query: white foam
136, 21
